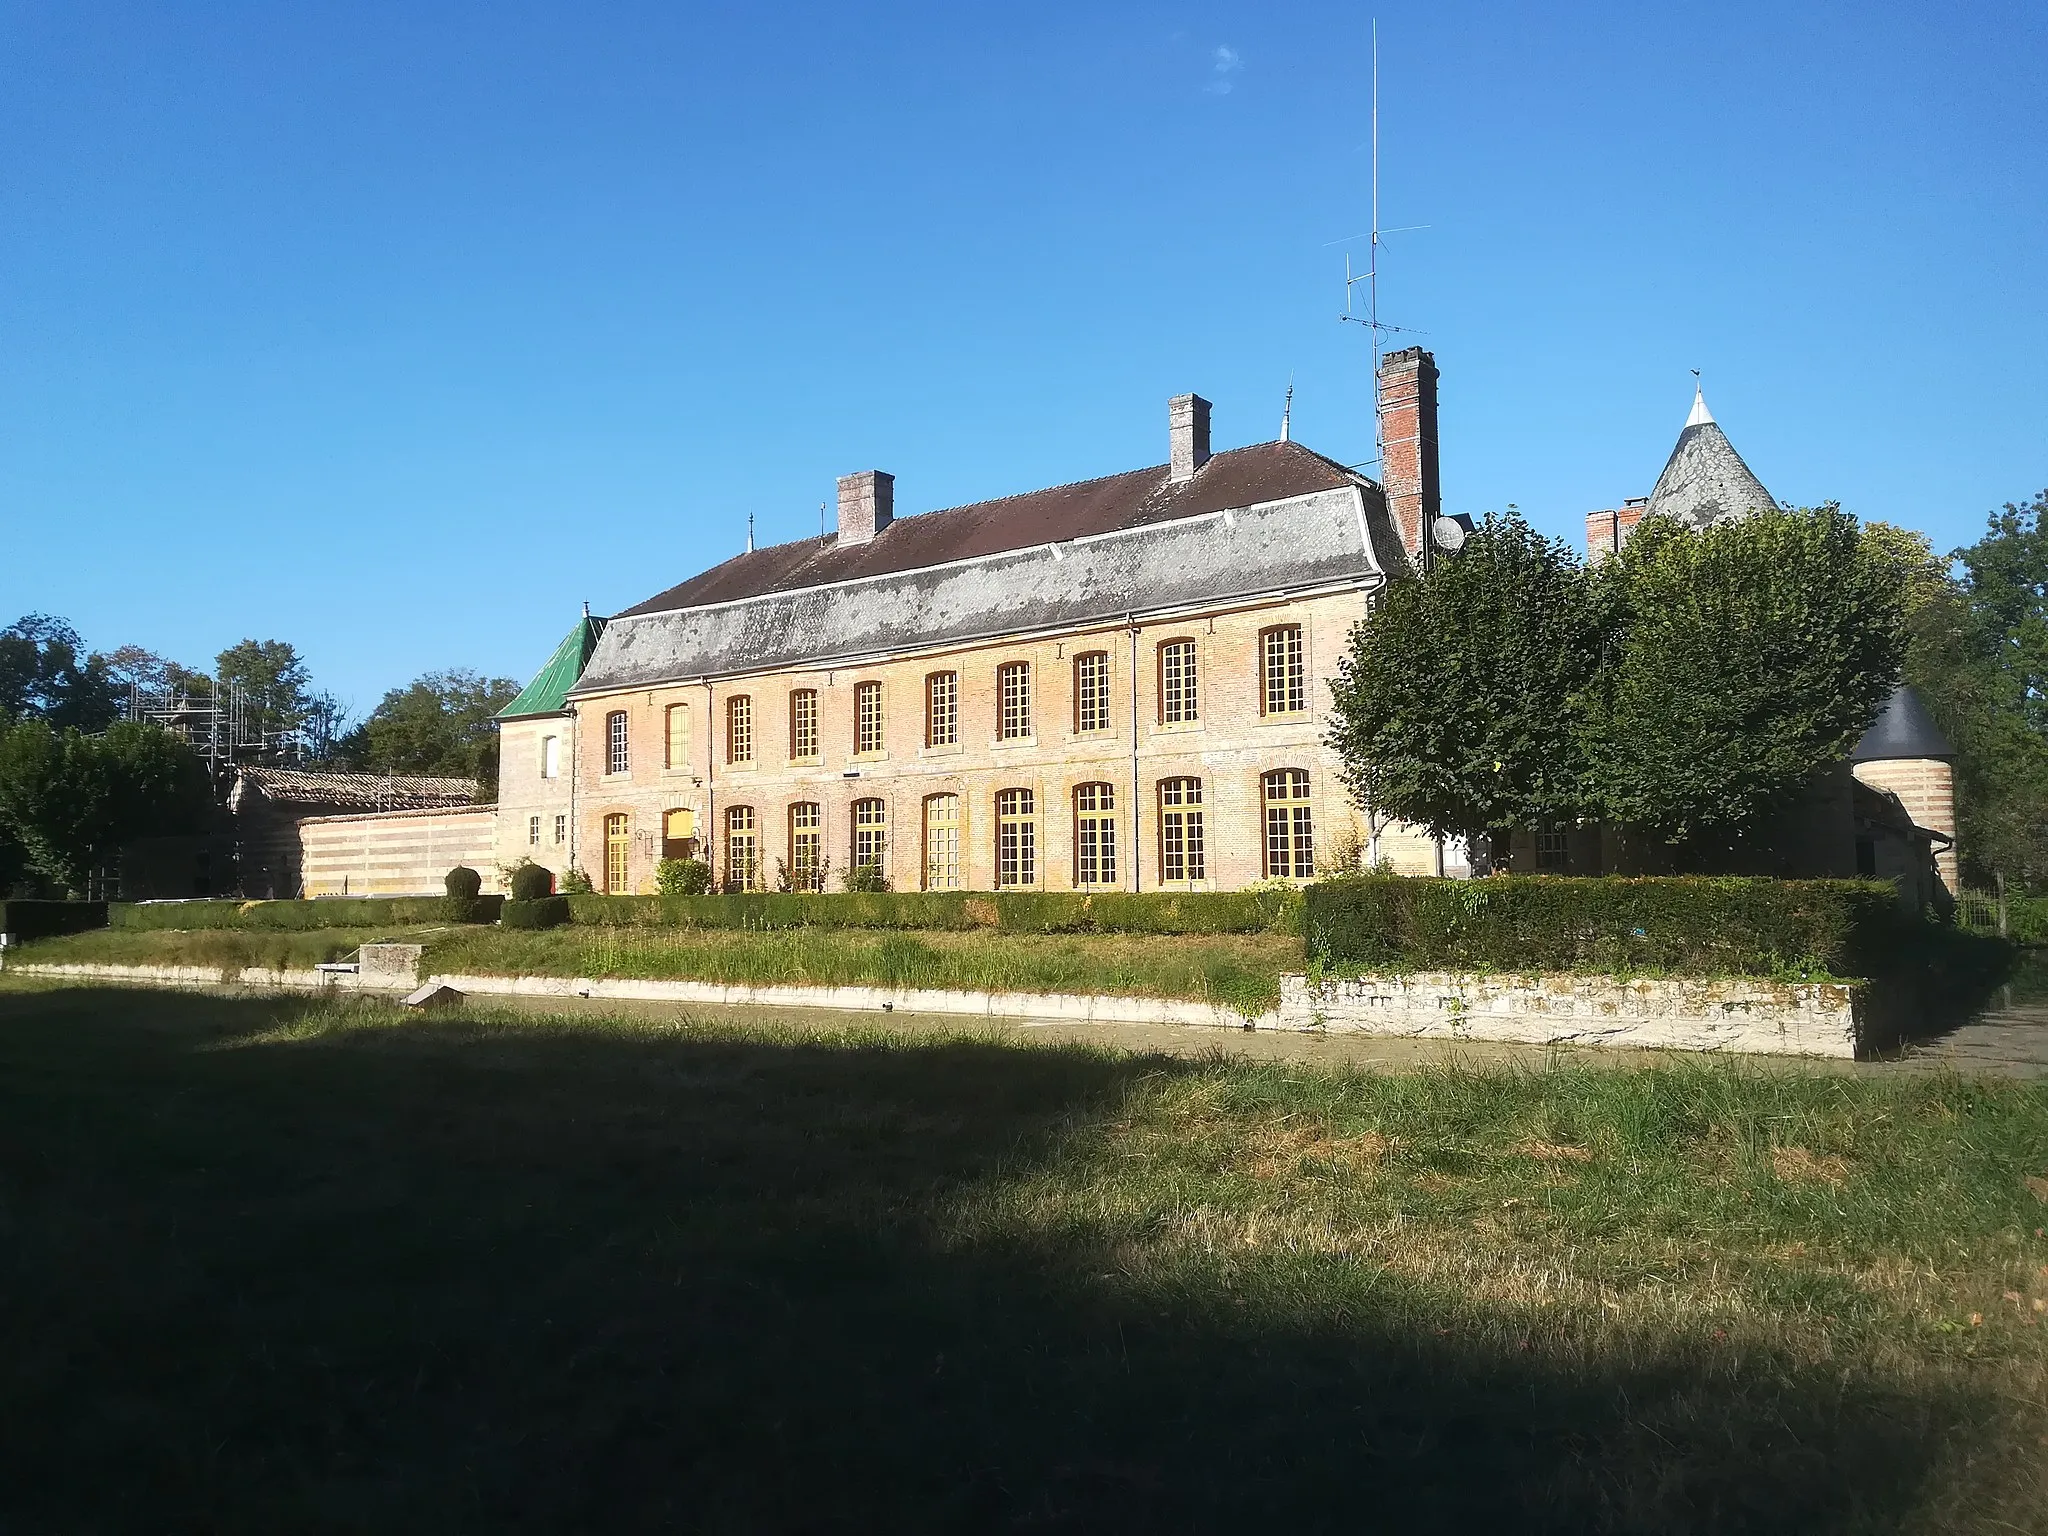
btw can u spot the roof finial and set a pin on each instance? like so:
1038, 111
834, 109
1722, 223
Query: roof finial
1287, 411
750, 533
1700, 416
586, 607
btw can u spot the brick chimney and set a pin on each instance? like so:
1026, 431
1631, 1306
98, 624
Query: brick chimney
1187, 432
867, 501
1408, 466
1608, 530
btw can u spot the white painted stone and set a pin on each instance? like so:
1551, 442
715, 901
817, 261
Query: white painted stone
1682, 1013
394, 966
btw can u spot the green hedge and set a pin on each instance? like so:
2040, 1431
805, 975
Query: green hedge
1011, 912
296, 916
1675, 926
542, 912
49, 919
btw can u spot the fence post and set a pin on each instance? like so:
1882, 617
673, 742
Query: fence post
2000, 878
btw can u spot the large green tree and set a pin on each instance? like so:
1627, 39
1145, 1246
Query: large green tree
1744, 658
276, 687
439, 724
46, 675
71, 801
1455, 705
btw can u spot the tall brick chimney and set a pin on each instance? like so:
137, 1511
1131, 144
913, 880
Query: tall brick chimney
867, 501
1408, 466
1187, 432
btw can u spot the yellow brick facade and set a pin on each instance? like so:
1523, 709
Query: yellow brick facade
1230, 746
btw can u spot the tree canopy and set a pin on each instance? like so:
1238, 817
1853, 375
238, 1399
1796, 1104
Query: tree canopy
44, 675
440, 724
1455, 705
70, 801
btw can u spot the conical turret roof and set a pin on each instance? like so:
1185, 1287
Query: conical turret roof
1705, 480
548, 693
1903, 729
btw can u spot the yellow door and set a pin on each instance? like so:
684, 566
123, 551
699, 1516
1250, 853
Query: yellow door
617, 845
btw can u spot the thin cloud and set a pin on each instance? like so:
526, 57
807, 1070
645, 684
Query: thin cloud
1224, 64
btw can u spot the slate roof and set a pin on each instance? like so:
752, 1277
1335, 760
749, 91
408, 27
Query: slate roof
350, 791
548, 693
1241, 477
1705, 480
1903, 729
1272, 518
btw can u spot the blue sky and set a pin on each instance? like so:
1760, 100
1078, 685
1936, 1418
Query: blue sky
399, 331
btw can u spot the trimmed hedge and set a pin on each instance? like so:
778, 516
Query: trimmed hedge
1619, 925
50, 919
542, 912
295, 916
1009, 911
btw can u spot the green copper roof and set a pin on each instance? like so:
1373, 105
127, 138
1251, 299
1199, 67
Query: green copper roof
548, 693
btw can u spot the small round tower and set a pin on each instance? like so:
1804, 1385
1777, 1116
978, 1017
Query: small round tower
1905, 752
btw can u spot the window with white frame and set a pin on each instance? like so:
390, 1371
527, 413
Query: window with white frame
942, 709
739, 729
1283, 672
1013, 700
1094, 835
1016, 838
803, 725
742, 849
807, 846
870, 834
1178, 703
615, 760
867, 717
1091, 691
1183, 856
1290, 841
561, 829
533, 831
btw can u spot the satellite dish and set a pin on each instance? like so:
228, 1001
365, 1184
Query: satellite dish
1449, 533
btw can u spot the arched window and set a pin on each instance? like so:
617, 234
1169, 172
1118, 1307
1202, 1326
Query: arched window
942, 843
1290, 840
806, 846
803, 725
742, 849
1183, 858
870, 834
739, 729
1091, 691
615, 742
618, 848
1094, 835
1179, 701
1016, 838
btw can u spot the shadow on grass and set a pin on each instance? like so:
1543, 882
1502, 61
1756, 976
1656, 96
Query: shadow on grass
457, 1277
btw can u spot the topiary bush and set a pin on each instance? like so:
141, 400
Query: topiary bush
531, 882
542, 912
463, 886
682, 877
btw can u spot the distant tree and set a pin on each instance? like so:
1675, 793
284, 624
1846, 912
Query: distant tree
439, 725
133, 666
71, 801
1743, 659
274, 682
1455, 706
44, 676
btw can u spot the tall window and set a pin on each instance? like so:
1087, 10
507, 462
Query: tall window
1094, 835
677, 736
1013, 700
806, 846
942, 709
1016, 838
1284, 689
870, 833
867, 717
942, 843
618, 847
739, 729
615, 742
1181, 856
1290, 840
742, 849
561, 830
1178, 704
533, 831
1091, 691
803, 724
551, 757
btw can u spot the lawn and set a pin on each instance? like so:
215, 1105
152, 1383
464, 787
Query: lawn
228, 950
273, 1264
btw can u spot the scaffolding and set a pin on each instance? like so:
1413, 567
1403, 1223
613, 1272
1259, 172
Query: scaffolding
217, 720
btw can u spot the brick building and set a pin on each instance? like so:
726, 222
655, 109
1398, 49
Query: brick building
1119, 684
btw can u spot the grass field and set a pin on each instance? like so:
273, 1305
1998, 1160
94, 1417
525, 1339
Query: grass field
271, 1265
229, 950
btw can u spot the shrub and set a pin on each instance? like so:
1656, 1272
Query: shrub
294, 916
682, 877
463, 885
48, 919
575, 882
1012, 912
532, 882
865, 880
542, 912
1683, 926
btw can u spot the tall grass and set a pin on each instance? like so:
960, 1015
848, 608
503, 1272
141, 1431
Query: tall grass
228, 950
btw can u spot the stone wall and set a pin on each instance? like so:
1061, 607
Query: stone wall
1682, 1013
397, 853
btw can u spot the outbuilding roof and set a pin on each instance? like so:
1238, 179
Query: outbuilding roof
349, 791
1903, 729
548, 693
1705, 480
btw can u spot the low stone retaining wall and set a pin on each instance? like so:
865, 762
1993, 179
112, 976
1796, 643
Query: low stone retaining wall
1673, 1013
